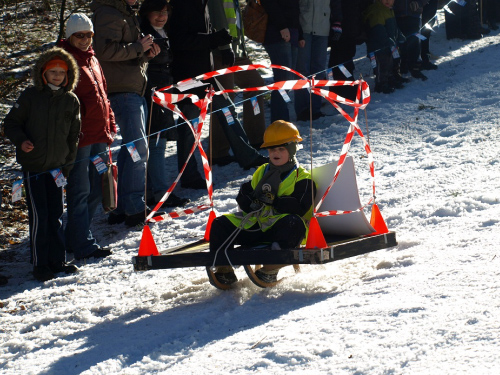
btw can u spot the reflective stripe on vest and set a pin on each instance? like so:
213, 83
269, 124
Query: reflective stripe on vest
231, 17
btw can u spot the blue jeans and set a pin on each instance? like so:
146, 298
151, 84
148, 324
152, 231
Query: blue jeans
311, 60
83, 196
284, 54
130, 113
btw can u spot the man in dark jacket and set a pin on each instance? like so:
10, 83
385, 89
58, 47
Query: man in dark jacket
343, 48
124, 53
193, 40
226, 14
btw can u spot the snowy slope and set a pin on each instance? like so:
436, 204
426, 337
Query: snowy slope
429, 306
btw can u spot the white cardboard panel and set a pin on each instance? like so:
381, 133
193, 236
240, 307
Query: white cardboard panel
343, 196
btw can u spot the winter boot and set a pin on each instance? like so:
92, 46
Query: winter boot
268, 277
384, 88
427, 65
225, 275
416, 73
43, 273
63, 267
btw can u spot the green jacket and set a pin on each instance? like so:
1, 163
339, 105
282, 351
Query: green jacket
290, 199
220, 20
117, 48
49, 119
382, 29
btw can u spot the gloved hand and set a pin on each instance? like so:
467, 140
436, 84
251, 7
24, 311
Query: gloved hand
414, 5
255, 205
227, 56
335, 32
266, 198
219, 38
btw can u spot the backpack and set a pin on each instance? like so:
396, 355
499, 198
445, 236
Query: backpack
255, 21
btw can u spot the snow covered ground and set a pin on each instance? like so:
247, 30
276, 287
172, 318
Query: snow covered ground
431, 305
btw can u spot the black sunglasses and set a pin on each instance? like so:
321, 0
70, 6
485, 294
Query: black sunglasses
84, 35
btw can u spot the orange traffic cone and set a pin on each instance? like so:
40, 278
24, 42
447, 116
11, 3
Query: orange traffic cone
315, 238
377, 221
148, 245
211, 218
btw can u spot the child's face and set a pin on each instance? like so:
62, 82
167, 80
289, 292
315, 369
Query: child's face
388, 3
56, 76
278, 156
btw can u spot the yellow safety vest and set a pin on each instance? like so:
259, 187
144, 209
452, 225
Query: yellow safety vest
231, 17
267, 216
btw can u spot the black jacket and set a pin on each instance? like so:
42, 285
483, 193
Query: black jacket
190, 41
159, 75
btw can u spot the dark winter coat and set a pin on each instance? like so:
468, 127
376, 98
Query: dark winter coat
159, 76
190, 40
98, 120
117, 48
49, 119
382, 29
282, 14
402, 8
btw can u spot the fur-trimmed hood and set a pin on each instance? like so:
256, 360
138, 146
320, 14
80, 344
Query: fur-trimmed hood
73, 70
120, 5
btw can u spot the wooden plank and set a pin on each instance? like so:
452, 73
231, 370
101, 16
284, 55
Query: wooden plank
195, 246
241, 256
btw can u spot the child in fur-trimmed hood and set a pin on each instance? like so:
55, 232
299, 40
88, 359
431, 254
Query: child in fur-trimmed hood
44, 125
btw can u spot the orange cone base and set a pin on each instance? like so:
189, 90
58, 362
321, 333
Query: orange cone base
377, 221
148, 245
211, 218
315, 238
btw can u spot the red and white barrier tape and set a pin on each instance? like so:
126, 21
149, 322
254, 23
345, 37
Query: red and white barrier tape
168, 101
206, 167
176, 214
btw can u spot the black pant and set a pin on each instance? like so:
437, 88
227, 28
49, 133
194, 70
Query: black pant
342, 52
243, 152
384, 69
45, 210
185, 142
410, 50
288, 232
428, 14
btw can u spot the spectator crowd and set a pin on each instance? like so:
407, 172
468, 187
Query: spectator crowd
99, 80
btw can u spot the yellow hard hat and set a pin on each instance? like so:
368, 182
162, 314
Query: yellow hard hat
279, 133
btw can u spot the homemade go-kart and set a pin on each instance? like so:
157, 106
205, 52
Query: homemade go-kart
338, 232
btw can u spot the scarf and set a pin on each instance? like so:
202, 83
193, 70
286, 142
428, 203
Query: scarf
267, 188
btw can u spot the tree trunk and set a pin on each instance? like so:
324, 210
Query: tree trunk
61, 21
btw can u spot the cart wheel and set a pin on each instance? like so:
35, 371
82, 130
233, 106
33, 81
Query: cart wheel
250, 270
213, 280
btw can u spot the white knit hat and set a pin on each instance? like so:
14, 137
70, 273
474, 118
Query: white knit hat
78, 22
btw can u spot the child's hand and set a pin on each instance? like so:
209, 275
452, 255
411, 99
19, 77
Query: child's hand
27, 146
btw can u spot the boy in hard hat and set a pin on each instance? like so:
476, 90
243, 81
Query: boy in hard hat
275, 204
